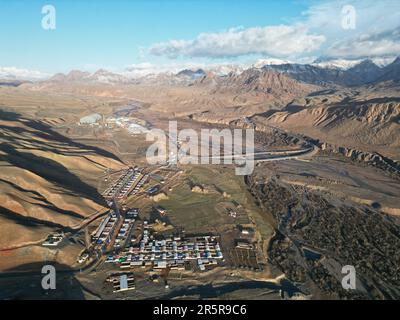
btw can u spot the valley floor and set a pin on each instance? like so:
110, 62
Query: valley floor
304, 217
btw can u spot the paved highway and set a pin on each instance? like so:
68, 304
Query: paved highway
264, 156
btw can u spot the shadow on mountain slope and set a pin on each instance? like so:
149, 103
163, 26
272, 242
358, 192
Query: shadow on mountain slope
25, 283
46, 132
51, 171
29, 221
50, 134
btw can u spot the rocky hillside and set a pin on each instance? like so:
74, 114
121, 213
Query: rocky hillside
270, 83
361, 119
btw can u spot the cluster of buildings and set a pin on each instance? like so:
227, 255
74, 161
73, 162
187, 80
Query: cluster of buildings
132, 178
132, 125
126, 228
106, 231
172, 252
128, 123
246, 240
91, 119
140, 184
123, 282
53, 240
115, 229
232, 213
244, 244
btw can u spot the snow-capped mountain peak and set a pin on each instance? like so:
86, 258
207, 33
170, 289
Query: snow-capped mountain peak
269, 62
345, 64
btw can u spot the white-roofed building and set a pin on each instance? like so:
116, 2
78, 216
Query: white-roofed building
91, 119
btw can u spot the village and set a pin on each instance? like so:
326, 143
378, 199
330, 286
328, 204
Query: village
128, 244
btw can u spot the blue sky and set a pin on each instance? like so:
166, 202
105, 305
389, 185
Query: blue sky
115, 34
111, 33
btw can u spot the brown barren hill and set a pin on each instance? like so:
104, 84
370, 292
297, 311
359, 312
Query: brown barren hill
363, 119
45, 180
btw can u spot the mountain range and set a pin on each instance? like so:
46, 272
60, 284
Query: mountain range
321, 73
362, 73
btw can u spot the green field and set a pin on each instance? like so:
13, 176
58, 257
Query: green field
198, 212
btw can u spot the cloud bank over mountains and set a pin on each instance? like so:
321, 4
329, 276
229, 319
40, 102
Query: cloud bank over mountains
320, 32
386, 43
283, 41
21, 74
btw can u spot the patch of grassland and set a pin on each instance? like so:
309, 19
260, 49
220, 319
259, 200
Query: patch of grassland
198, 212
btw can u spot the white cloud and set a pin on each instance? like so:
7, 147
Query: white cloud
318, 32
21, 74
368, 45
376, 33
371, 16
281, 41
